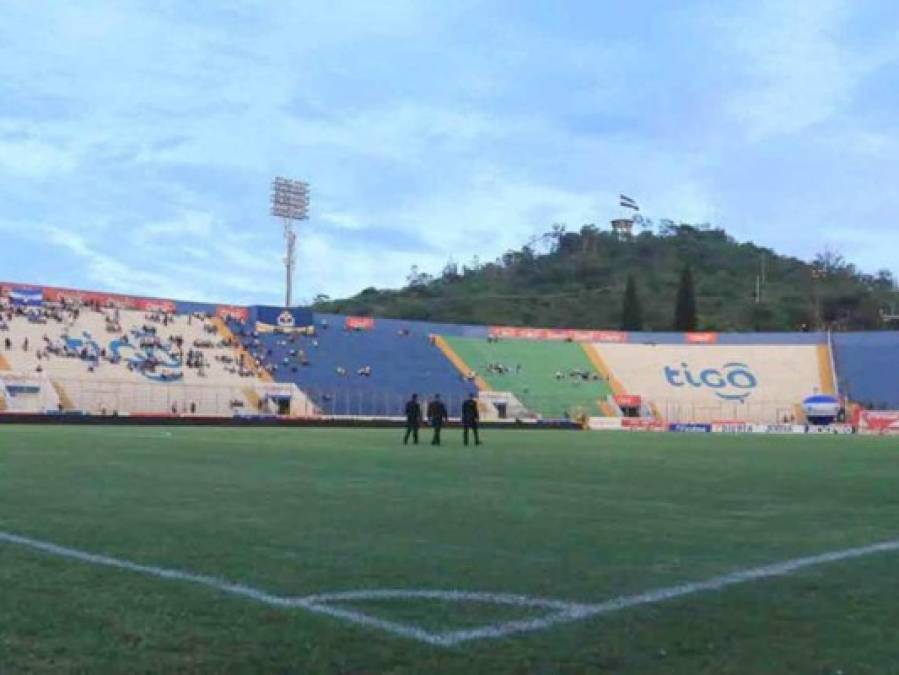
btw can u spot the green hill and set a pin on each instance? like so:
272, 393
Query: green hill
579, 281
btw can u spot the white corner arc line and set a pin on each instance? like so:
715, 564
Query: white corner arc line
242, 590
561, 611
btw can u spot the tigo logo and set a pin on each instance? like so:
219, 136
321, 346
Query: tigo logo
732, 382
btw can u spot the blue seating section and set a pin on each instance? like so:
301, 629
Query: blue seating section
868, 367
400, 354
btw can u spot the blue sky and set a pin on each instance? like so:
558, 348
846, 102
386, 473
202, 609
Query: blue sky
138, 139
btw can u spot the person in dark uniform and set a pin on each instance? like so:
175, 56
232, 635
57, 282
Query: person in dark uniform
437, 416
413, 420
470, 417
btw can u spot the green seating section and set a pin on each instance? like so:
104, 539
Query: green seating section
535, 383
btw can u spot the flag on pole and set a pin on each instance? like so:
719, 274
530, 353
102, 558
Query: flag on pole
628, 203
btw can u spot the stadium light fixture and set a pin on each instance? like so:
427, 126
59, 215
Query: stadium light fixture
290, 202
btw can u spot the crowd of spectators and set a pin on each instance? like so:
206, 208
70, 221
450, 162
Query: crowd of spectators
578, 375
151, 354
258, 357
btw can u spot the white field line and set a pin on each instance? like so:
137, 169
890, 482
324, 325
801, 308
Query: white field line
220, 585
115, 432
560, 611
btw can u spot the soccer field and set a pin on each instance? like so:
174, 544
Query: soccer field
149, 549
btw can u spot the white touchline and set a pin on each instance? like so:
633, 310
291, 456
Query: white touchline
559, 611
116, 432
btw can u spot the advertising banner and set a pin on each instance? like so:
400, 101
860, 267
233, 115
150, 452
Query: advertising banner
359, 323
731, 427
604, 423
628, 401
831, 429
279, 318
878, 422
690, 428
28, 297
701, 338
642, 424
558, 334
37, 294
226, 312
150, 305
781, 428
109, 300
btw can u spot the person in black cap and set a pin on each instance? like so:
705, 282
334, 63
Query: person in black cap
437, 415
413, 420
470, 417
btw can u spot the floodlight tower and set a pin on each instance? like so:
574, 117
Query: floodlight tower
290, 202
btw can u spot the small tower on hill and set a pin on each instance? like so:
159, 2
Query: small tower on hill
623, 227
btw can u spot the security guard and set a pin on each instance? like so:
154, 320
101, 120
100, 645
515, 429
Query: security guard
470, 418
413, 420
437, 416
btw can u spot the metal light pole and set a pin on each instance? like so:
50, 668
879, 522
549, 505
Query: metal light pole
290, 202
818, 273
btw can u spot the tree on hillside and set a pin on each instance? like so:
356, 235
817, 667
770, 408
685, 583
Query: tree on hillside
685, 309
573, 279
631, 310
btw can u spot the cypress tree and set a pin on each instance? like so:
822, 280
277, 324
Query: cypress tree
685, 309
631, 310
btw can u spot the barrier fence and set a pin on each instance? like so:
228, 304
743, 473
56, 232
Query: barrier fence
763, 412
102, 396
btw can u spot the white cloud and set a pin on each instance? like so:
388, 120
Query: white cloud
418, 129
34, 159
792, 67
109, 272
189, 225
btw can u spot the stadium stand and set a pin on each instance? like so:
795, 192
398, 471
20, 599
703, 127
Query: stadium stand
101, 353
554, 379
868, 367
707, 382
357, 366
77, 357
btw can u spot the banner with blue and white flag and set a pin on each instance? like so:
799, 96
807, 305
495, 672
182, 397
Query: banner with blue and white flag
31, 297
278, 318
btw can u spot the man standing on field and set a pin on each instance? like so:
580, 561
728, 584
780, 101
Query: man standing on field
413, 420
470, 417
437, 416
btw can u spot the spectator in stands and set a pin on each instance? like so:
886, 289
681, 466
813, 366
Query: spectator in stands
437, 416
470, 418
413, 420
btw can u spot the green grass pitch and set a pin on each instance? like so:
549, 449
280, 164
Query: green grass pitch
579, 517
